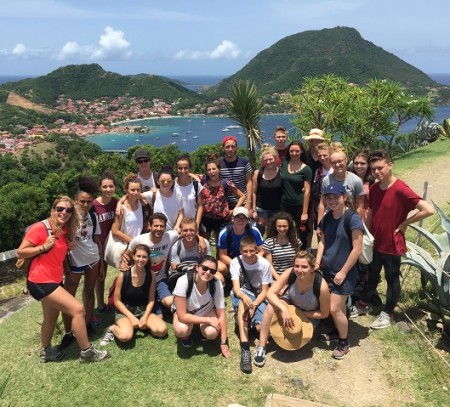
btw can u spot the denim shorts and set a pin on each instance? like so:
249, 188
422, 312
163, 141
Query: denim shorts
162, 290
257, 316
41, 290
266, 213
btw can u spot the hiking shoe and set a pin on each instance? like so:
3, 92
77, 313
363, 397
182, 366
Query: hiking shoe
341, 350
107, 338
246, 361
186, 342
358, 310
66, 340
331, 336
90, 330
92, 354
260, 356
384, 320
49, 354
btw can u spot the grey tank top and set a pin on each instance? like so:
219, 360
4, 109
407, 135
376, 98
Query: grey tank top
306, 302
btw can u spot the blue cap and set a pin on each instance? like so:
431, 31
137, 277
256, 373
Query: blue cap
335, 189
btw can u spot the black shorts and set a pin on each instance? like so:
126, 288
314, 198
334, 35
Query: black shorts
215, 225
41, 290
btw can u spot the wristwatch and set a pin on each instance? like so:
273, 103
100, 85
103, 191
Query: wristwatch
224, 341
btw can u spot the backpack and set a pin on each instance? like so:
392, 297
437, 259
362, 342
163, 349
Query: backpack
316, 284
93, 216
24, 264
181, 269
366, 255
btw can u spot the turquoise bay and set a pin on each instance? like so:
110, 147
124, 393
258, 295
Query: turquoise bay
189, 133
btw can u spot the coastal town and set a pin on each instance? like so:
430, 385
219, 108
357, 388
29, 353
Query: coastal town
103, 115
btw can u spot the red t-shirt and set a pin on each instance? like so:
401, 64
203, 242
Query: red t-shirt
47, 267
390, 207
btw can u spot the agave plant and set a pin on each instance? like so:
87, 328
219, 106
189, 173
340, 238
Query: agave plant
434, 269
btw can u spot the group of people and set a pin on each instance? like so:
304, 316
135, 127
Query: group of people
158, 235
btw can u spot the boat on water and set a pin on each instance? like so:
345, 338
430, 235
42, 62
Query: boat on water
173, 143
194, 136
225, 129
175, 134
234, 126
184, 139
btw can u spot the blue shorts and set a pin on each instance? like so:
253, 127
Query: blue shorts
266, 213
82, 269
162, 290
257, 316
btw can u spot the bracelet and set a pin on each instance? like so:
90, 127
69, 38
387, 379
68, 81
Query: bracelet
224, 341
42, 249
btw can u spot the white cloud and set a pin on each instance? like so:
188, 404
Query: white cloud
112, 45
19, 51
225, 50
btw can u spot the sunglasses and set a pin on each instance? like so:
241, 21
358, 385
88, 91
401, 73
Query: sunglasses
63, 208
206, 268
144, 160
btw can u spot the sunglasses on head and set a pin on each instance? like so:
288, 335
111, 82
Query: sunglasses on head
143, 160
206, 268
63, 208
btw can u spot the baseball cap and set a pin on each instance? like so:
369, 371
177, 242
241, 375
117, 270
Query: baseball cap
335, 189
240, 210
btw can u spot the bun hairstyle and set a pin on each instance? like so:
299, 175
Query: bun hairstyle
212, 158
129, 179
88, 185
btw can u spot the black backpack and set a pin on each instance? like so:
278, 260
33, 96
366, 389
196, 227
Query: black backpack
316, 284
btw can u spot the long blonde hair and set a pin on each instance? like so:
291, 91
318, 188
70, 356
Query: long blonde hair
71, 225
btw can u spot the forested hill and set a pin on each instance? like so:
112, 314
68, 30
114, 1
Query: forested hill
340, 51
90, 82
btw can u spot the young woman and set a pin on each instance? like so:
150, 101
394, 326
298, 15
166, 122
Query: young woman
216, 212
296, 179
44, 281
337, 257
83, 256
362, 169
200, 307
134, 298
104, 207
300, 293
128, 222
266, 187
167, 200
189, 188
281, 243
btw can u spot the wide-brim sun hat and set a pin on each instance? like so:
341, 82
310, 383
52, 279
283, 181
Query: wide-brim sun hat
315, 134
297, 336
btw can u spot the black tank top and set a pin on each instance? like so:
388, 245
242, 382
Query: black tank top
135, 296
268, 195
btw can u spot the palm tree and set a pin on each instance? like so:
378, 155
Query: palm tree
245, 108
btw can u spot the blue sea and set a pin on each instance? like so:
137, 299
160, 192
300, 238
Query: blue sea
189, 133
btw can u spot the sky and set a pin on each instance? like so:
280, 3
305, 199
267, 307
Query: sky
205, 37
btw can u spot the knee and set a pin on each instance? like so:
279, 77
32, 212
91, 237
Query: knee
78, 311
211, 333
159, 331
167, 301
124, 335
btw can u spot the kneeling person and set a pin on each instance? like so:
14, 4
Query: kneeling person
199, 299
306, 290
134, 299
251, 276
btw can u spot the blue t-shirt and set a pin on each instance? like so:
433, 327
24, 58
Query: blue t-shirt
236, 240
337, 245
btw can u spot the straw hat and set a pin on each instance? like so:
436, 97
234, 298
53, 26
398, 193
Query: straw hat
315, 134
296, 337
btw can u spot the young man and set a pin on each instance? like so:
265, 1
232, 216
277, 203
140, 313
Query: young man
251, 276
228, 246
280, 136
145, 174
314, 138
187, 247
160, 243
390, 201
236, 169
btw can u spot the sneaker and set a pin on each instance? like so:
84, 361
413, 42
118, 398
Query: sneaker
246, 361
384, 320
90, 330
93, 355
94, 321
260, 356
341, 350
331, 336
66, 340
49, 354
187, 342
358, 310
107, 338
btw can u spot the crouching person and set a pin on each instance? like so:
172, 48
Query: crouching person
134, 299
307, 291
199, 299
251, 276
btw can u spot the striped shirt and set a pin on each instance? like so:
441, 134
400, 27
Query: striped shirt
282, 255
236, 172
